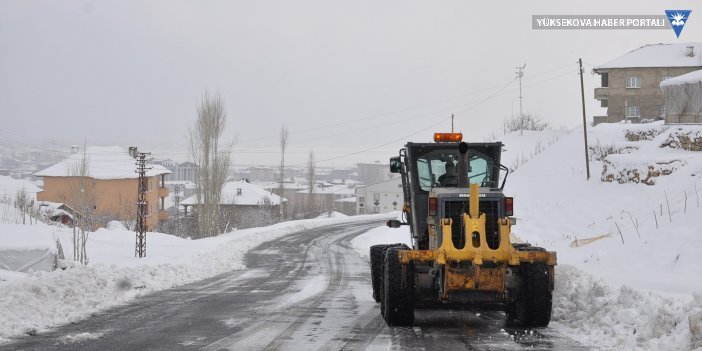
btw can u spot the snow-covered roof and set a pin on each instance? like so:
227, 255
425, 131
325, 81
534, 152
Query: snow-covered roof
658, 55
185, 183
10, 186
347, 199
52, 209
331, 189
250, 195
104, 162
286, 185
692, 77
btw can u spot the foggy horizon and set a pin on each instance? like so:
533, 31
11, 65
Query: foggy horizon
352, 82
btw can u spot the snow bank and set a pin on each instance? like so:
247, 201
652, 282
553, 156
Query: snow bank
646, 294
588, 310
381, 235
332, 214
113, 276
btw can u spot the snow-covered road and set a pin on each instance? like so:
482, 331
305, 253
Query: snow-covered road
305, 291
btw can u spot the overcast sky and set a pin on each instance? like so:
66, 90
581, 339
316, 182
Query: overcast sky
345, 77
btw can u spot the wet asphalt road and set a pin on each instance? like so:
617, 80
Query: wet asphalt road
306, 291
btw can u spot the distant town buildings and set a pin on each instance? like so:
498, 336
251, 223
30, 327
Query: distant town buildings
381, 197
180, 171
369, 173
242, 205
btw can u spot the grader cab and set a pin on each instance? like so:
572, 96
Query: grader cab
462, 254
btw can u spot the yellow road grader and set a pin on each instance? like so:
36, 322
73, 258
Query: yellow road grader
462, 254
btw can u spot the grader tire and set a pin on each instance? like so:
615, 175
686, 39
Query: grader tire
532, 307
398, 297
376, 263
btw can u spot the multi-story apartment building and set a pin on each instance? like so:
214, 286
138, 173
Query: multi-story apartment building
630, 84
107, 188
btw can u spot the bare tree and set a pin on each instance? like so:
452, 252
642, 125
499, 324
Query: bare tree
212, 160
24, 203
283, 145
310, 181
82, 197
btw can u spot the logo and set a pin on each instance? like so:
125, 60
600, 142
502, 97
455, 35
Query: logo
677, 19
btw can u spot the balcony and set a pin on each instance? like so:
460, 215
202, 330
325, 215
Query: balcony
599, 119
162, 192
162, 215
601, 93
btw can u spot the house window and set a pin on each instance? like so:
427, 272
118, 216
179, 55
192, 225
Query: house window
376, 196
376, 209
361, 210
361, 199
662, 111
605, 80
633, 82
633, 111
238, 191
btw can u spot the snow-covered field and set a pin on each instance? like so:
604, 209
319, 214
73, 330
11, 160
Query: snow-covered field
628, 274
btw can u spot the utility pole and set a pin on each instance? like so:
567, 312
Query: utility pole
176, 198
582, 96
142, 204
520, 74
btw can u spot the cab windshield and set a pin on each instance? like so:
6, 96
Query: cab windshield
439, 168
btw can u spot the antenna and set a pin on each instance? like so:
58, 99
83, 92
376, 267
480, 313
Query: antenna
520, 74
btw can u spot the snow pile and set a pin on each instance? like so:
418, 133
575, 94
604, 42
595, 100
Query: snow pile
381, 235
685, 139
598, 315
41, 299
115, 225
332, 214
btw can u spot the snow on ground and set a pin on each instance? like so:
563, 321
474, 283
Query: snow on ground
609, 295
39, 300
332, 214
633, 289
381, 235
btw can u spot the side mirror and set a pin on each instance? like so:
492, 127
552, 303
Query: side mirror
393, 223
395, 164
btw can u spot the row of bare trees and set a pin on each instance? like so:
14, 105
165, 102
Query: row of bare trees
213, 160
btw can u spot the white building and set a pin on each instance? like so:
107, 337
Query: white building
381, 197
